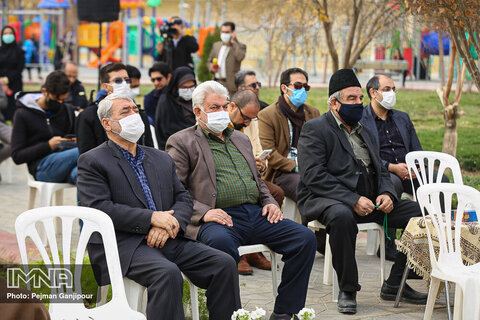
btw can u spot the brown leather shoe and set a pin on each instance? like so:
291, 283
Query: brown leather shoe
259, 261
243, 267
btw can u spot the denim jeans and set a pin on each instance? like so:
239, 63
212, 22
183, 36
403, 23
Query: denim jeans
59, 167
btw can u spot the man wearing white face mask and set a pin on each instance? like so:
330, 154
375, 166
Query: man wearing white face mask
393, 130
138, 188
226, 57
232, 205
89, 130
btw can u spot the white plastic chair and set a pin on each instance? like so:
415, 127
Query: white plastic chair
423, 165
8, 173
329, 273
154, 137
93, 221
449, 265
254, 248
290, 210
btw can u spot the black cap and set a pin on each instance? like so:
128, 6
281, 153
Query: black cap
342, 79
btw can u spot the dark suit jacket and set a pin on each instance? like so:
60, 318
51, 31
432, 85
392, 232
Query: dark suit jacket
403, 123
196, 169
107, 182
328, 167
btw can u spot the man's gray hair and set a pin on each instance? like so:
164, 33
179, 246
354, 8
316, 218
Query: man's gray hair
207, 87
337, 95
105, 106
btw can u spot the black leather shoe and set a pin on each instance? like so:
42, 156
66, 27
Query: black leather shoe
409, 295
282, 316
347, 302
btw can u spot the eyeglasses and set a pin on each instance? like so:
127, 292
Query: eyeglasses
298, 85
120, 80
156, 79
245, 118
254, 85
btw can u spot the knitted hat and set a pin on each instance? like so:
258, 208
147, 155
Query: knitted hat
342, 79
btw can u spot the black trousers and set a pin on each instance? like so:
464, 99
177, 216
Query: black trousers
341, 224
208, 268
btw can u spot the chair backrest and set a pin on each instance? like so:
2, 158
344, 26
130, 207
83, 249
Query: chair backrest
423, 165
93, 221
430, 198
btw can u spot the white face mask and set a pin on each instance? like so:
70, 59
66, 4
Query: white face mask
389, 99
121, 89
225, 37
132, 127
217, 121
186, 93
134, 92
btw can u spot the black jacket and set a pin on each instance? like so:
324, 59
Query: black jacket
33, 127
77, 96
182, 53
329, 170
90, 132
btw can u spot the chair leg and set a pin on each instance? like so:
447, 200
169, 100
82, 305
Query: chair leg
59, 197
447, 300
31, 199
194, 300
327, 265
273, 263
381, 235
458, 304
372, 236
402, 286
335, 287
432, 296
102, 293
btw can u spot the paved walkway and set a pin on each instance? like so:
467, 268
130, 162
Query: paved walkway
256, 290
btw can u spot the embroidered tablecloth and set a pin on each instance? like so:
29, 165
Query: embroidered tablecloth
414, 243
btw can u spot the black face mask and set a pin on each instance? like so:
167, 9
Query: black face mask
351, 113
53, 105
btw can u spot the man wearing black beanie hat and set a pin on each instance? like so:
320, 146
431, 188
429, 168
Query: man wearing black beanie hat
344, 183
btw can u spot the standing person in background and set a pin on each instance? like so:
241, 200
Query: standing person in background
76, 95
134, 74
160, 74
30, 46
59, 53
183, 46
174, 108
12, 62
247, 80
229, 54
5, 130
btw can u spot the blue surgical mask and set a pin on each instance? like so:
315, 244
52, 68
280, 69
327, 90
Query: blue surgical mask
8, 38
351, 113
298, 97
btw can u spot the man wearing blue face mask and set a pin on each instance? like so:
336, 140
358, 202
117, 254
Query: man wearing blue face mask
344, 183
279, 127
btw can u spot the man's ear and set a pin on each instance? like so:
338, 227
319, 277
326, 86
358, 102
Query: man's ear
44, 92
231, 107
106, 124
283, 87
169, 77
106, 87
196, 111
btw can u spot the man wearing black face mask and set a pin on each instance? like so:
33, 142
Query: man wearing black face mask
344, 183
43, 130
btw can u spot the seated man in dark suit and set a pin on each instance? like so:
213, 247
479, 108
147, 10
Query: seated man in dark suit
232, 206
89, 130
393, 130
139, 189
344, 183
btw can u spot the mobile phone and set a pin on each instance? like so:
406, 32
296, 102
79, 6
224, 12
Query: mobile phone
264, 154
69, 136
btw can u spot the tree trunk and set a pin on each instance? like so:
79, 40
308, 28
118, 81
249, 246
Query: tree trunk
450, 138
351, 33
441, 55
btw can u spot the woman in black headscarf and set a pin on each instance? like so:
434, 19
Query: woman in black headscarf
12, 62
174, 108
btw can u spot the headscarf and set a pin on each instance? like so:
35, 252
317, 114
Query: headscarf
179, 77
9, 52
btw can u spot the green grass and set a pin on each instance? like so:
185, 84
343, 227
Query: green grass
425, 110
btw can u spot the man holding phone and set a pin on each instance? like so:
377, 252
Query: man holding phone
243, 111
43, 129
